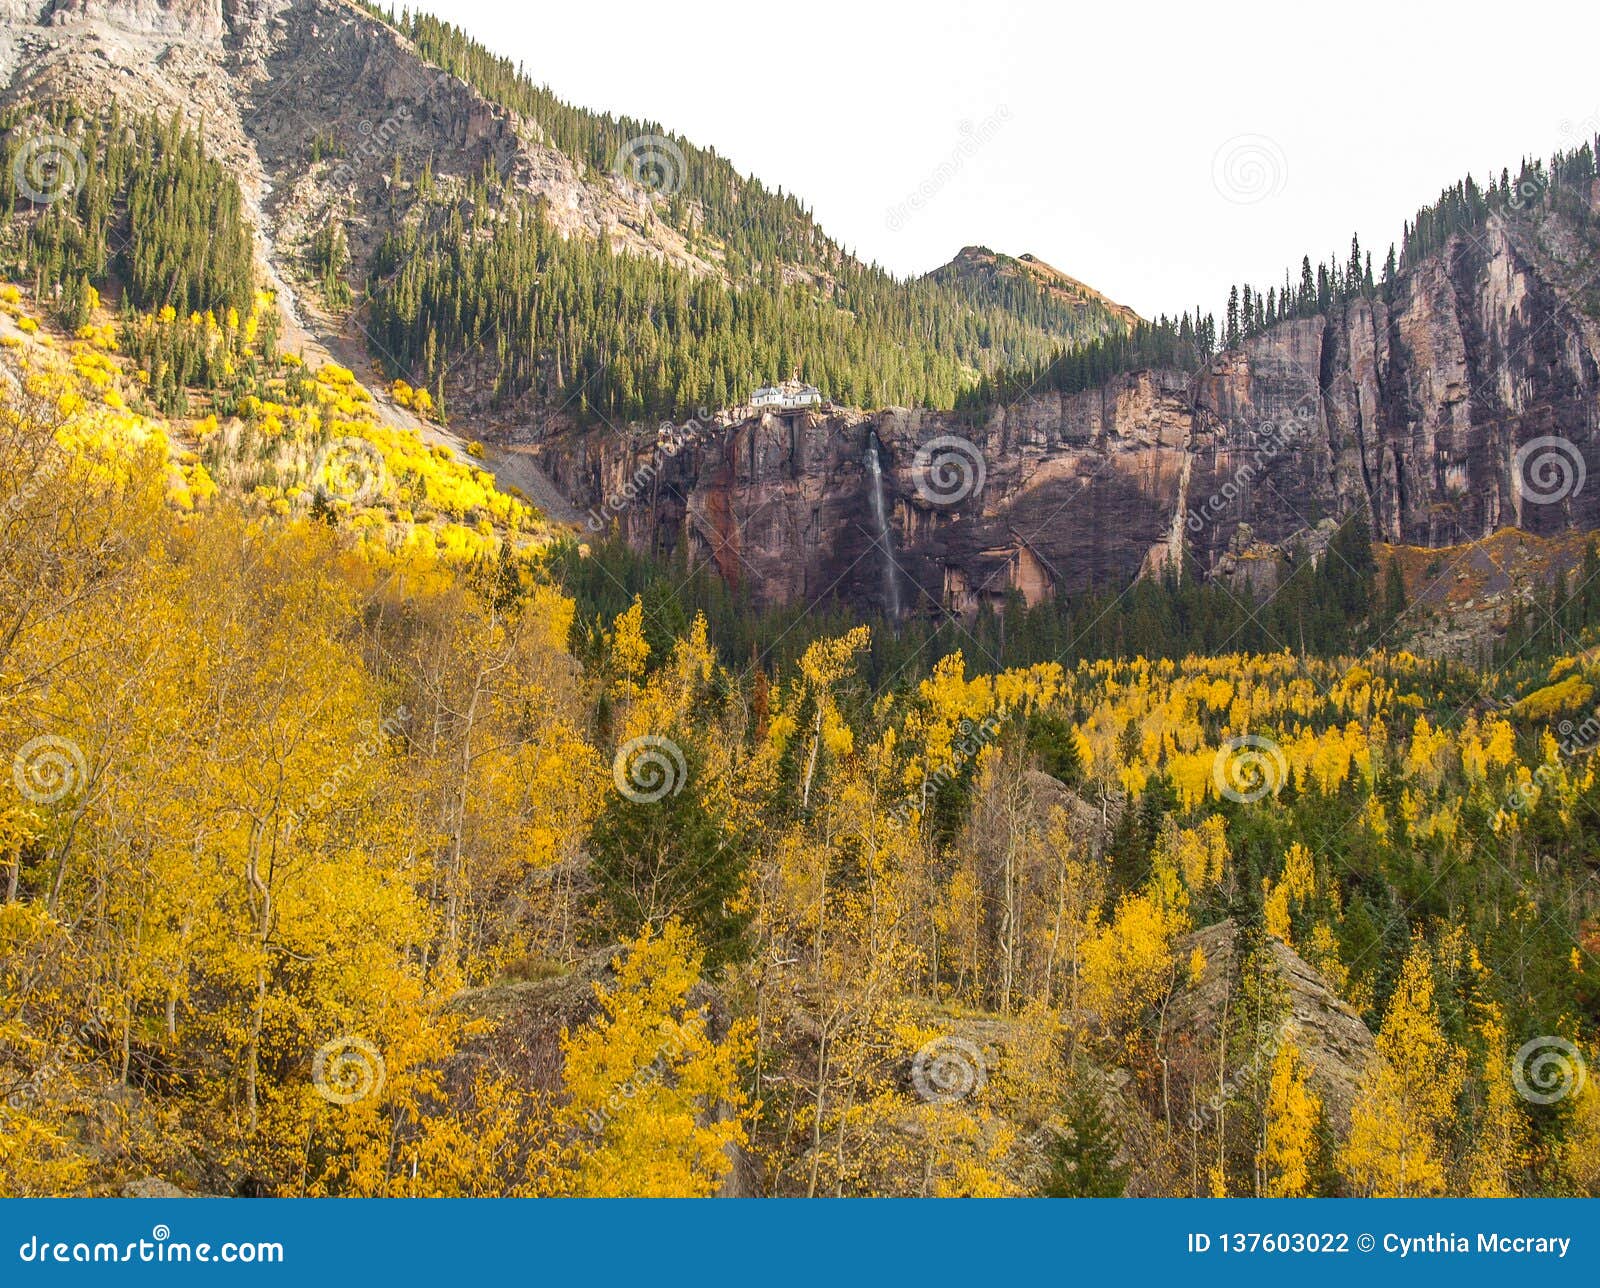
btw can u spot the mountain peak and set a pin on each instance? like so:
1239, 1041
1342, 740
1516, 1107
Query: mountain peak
978, 265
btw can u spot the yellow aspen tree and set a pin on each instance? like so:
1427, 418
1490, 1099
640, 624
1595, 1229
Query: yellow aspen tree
1293, 1114
1295, 885
654, 1105
1579, 1153
1407, 1098
1129, 964
1499, 1145
629, 649
824, 664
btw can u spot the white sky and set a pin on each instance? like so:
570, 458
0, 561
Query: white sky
1089, 136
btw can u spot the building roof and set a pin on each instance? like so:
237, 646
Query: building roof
788, 389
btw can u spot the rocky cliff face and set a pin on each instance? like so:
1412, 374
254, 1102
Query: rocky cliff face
1469, 403
308, 102
1336, 1045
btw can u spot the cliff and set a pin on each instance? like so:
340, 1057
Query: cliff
1468, 403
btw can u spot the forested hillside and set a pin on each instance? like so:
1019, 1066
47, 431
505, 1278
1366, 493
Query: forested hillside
367, 832
307, 816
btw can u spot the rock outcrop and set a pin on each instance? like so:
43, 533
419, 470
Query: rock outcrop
1334, 1042
309, 103
1414, 411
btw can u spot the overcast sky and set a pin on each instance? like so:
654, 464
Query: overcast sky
1159, 152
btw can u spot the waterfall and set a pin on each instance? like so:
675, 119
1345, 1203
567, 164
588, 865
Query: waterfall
873, 459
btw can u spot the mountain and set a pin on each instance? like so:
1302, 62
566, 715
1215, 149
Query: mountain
1458, 397
553, 277
985, 272
377, 824
412, 193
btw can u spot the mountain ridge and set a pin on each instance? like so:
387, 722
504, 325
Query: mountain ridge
981, 261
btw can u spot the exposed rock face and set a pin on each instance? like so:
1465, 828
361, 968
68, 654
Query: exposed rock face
185, 19
268, 78
1336, 1046
1413, 412
523, 1026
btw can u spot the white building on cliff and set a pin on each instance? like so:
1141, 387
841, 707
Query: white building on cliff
791, 395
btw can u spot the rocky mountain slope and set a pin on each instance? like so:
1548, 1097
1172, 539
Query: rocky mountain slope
320, 106
984, 269
1458, 404
1467, 404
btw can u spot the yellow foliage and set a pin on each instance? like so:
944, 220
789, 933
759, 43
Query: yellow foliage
1396, 1146
654, 1103
1293, 1114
